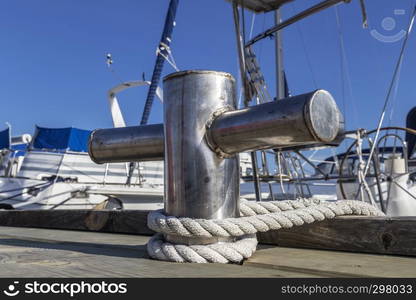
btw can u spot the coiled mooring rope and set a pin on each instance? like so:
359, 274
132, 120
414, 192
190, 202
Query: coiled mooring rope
255, 217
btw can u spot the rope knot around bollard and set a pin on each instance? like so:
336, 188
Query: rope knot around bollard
254, 217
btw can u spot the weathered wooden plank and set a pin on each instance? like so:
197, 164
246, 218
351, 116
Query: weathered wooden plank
116, 221
356, 234
326, 263
35, 252
28, 252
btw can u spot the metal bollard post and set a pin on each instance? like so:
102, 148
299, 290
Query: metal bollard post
198, 183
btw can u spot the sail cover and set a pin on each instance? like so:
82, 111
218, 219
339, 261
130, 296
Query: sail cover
5, 139
19, 150
61, 139
411, 138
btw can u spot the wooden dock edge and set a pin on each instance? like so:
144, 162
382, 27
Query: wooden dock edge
377, 235
112, 221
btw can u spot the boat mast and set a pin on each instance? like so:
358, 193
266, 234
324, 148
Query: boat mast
163, 51
280, 79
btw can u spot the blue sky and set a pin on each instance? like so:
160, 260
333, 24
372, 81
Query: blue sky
53, 70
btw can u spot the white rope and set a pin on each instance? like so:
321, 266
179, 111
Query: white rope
214, 253
255, 217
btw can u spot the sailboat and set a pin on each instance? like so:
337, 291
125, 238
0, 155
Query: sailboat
54, 171
380, 175
377, 167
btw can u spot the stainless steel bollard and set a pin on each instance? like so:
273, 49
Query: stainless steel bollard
198, 183
203, 134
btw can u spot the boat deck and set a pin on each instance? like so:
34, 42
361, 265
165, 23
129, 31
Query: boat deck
34, 252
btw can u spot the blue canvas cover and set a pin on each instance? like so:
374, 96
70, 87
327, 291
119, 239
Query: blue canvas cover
61, 139
411, 138
19, 150
5, 139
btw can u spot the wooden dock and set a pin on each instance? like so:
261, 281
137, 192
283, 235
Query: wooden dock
112, 244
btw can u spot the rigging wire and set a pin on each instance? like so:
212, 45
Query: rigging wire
341, 56
397, 84
109, 63
390, 90
168, 57
24, 187
240, 96
303, 42
393, 104
253, 18
345, 73
394, 97
39, 189
261, 44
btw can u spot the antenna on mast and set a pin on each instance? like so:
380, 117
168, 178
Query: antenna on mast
364, 13
109, 60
